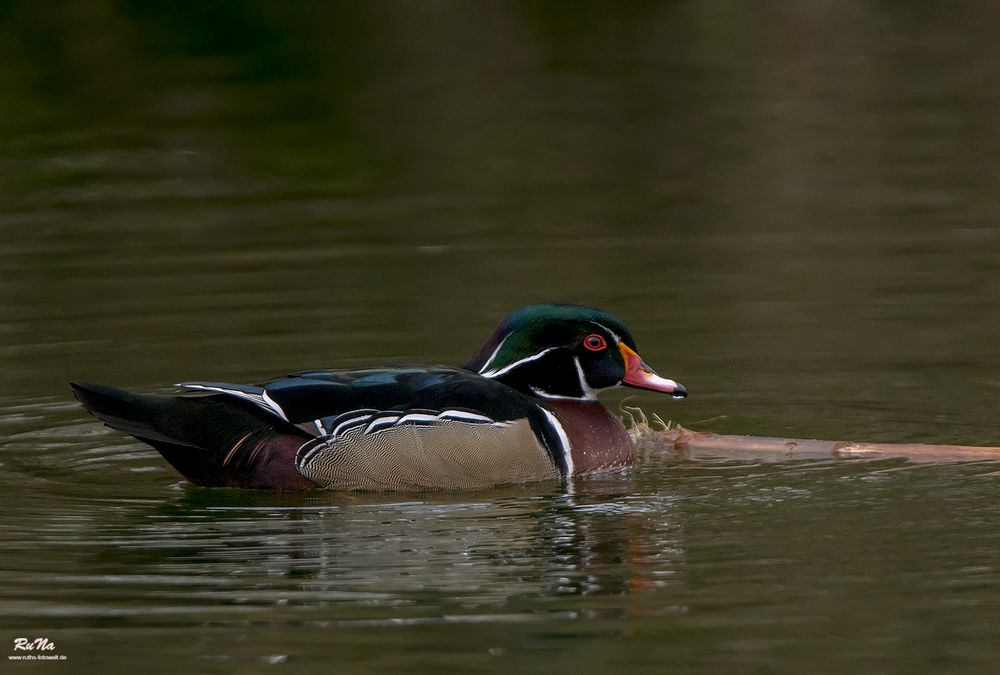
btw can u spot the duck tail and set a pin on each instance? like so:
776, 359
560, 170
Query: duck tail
210, 440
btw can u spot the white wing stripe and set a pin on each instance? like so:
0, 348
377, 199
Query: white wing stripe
305, 457
376, 421
354, 421
257, 399
462, 416
261, 400
380, 422
273, 406
417, 417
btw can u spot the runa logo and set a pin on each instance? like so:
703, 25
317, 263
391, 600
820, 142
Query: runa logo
38, 644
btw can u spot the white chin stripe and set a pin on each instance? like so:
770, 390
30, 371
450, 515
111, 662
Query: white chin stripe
589, 392
544, 394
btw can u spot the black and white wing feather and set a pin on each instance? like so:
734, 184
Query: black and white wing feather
407, 427
419, 449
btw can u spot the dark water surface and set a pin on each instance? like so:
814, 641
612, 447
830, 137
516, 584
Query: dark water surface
794, 205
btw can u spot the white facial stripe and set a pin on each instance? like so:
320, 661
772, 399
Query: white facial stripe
544, 394
589, 392
486, 366
617, 337
511, 366
563, 439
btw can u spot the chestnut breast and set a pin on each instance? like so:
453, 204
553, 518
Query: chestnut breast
597, 438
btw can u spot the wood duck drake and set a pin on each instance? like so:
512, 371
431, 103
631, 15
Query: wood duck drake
523, 408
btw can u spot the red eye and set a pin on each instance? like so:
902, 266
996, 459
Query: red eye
595, 342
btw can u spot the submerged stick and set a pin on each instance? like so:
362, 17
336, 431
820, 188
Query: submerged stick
688, 444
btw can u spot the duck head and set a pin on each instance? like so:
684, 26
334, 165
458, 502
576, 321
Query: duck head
566, 352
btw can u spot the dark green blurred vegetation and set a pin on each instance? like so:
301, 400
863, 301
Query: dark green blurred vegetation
654, 101
798, 195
